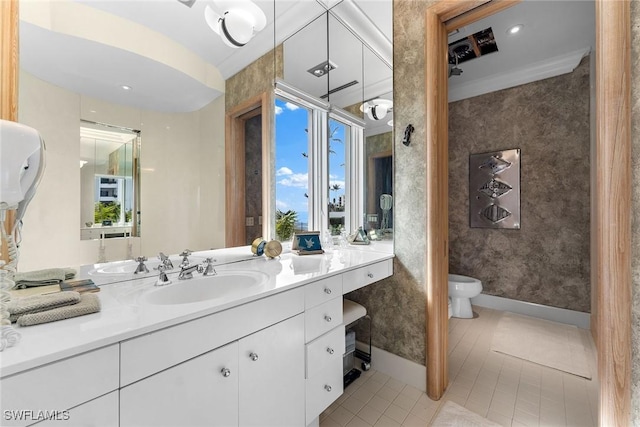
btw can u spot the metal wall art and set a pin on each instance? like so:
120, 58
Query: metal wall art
494, 189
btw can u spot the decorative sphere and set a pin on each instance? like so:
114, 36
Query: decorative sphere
273, 248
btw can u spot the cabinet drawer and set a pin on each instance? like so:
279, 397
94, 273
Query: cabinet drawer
144, 356
323, 389
323, 350
363, 276
322, 291
322, 318
61, 385
100, 412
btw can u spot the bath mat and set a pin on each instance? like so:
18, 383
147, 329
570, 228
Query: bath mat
453, 415
547, 343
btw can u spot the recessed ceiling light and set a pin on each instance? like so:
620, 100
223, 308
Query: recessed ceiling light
515, 29
125, 87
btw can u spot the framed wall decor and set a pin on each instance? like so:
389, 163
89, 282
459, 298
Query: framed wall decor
494, 189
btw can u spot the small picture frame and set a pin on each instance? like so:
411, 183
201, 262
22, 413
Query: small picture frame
307, 243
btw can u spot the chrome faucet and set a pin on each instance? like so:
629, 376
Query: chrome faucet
185, 258
141, 268
186, 272
162, 278
208, 269
164, 261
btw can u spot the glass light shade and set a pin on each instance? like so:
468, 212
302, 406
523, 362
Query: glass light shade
236, 28
377, 111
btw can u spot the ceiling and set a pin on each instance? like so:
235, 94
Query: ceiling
173, 61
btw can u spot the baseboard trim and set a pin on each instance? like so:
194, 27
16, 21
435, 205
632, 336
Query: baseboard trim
397, 367
561, 315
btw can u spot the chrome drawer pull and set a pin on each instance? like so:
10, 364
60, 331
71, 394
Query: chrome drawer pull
327, 291
225, 372
327, 318
253, 356
329, 350
327, 387
370, 275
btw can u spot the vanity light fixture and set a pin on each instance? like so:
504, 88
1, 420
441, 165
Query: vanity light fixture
515, 29
238, 23
377, 108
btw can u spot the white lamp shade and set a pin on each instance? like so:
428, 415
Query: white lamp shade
241, 20
377, 112
236, 28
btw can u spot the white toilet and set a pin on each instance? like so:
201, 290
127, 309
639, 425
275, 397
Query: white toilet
461, 290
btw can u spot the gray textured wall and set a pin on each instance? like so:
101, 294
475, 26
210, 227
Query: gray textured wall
547, 260
635, 240
397, 305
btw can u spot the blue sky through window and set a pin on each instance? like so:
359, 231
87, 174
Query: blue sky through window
292, 149
292, 169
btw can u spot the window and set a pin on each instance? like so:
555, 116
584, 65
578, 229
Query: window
318, 166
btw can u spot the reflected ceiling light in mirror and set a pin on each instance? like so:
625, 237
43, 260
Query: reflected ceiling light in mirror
238, 22
322, 68
377, 109
125, 87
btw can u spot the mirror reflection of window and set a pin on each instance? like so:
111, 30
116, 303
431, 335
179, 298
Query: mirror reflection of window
379, 183
108, 165
292, 150
339, 134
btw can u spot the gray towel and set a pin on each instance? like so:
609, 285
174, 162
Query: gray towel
36, 303
49, 276
89, 303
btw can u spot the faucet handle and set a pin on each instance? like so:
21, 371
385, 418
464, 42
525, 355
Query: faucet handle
185, 260
141, 268
162, 277
207, 267
165, 261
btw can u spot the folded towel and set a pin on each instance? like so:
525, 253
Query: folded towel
89, 303
37, 303
50, 276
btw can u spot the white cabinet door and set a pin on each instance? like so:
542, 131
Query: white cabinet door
272, 375
202, 391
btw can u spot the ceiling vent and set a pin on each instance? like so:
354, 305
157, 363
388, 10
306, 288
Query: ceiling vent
339, 88
473, 46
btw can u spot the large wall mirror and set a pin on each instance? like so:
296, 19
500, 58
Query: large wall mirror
128, 68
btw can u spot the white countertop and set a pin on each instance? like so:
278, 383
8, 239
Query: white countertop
122, 318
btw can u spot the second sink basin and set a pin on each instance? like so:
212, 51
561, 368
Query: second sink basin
225, 284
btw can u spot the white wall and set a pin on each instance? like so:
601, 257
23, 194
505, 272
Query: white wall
182, 182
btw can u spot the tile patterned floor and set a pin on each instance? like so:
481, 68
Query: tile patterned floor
504, 389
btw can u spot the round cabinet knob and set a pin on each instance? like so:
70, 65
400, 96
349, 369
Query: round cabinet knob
253, 356
327, 291
327, 387
327, 318
329, 350
225, 372
370, 275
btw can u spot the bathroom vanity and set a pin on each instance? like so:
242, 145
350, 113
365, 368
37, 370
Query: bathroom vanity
268, 352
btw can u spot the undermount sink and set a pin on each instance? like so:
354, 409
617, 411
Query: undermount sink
128, 267
225, 284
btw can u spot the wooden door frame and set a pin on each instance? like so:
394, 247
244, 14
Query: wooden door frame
235, 118
612, 223
9, 69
